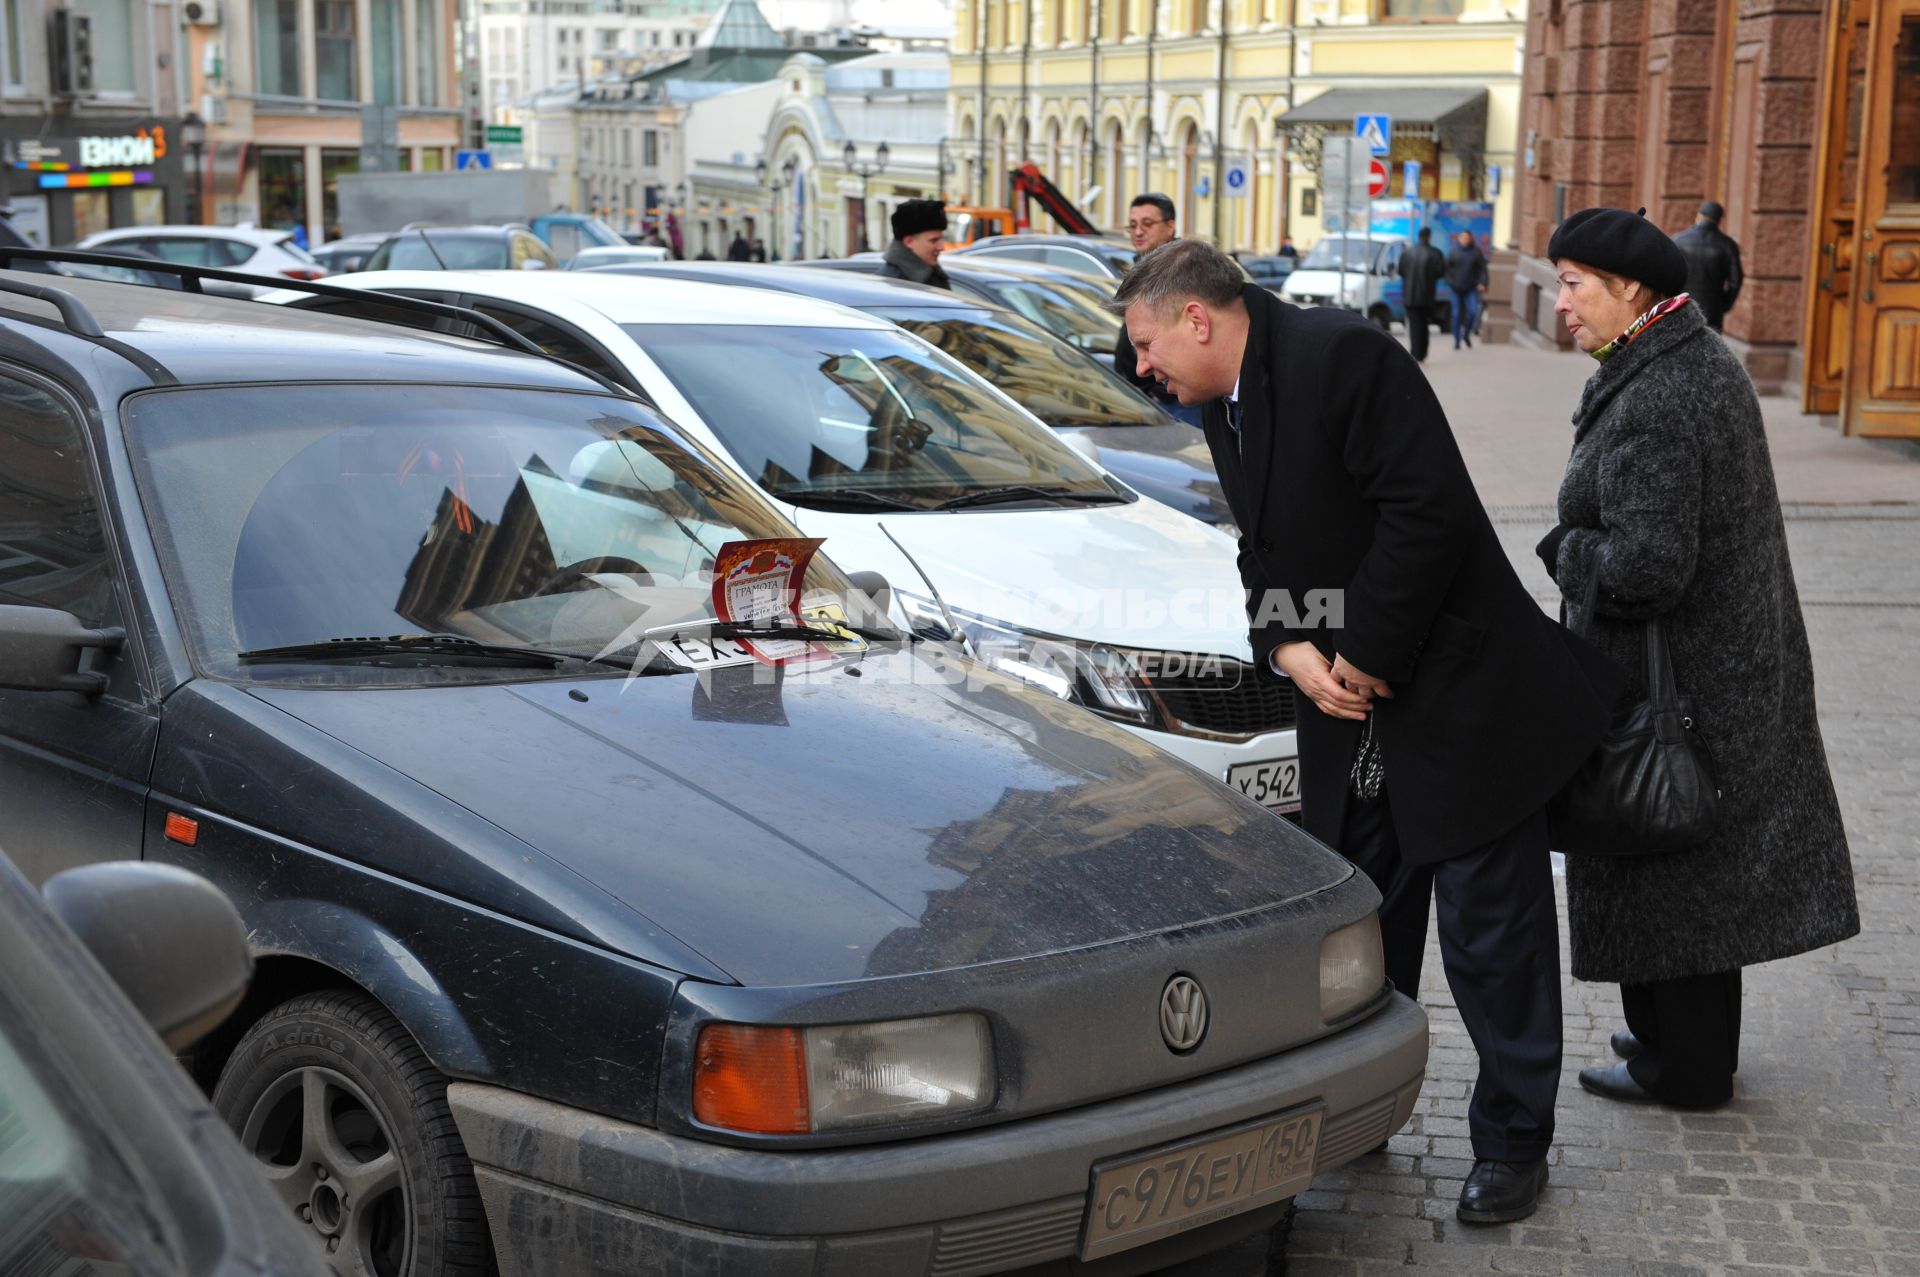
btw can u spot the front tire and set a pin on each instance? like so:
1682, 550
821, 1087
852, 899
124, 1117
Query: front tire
349, 1123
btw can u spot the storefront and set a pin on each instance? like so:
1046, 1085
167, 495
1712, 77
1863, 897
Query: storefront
65, 180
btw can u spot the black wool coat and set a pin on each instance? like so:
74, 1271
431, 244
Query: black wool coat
1350, 480
1671, 498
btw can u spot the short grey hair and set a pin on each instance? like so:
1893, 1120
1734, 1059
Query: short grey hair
1181, 270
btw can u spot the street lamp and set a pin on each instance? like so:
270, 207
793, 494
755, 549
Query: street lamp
193, 136
866, 173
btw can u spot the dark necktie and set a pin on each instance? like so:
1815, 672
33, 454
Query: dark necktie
1233, 414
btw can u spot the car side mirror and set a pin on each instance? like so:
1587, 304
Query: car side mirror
172, 942
875, 597
41, 650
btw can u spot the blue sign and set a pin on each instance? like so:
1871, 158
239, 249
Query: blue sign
1410, 180
472, 159
1204, 186
1376, 131
1236, 179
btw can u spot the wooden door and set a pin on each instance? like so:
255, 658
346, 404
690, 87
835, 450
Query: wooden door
1836, 214
1882, 388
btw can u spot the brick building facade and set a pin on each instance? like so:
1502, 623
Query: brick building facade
1663, 104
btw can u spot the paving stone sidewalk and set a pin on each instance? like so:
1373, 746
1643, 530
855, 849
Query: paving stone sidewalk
1814, 1168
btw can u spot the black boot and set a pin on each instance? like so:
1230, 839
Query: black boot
1501, 1192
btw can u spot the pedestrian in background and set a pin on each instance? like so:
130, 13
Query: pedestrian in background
1421, 268
1713, 264
919, 236
738, 251
1441, 709
758, 252
1466, 280
1150, 224
1669, 501
1287, 249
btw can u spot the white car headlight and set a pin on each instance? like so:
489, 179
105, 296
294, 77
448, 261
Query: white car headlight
1352, 969
793, 1081
1101, 678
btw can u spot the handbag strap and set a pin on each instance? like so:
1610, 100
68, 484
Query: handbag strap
1662, 691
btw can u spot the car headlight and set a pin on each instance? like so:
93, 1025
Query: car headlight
1352, 969
793, 1081
1102, 678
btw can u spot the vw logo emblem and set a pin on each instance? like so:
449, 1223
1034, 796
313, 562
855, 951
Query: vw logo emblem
1183, 1014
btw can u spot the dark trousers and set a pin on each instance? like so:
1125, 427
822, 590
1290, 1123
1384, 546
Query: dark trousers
1419, 330
1466, 313
1689, 1030
1500, 947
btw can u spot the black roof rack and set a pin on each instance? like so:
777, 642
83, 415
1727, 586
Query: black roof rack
82, 323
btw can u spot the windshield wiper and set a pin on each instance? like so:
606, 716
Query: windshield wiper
859, 498
421, 649
783, 630
1027, 492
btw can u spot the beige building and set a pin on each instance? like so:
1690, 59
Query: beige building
1222, 104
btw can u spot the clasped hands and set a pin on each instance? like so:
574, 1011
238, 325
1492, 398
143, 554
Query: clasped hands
1335, 686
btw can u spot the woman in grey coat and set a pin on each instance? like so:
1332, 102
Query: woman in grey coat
1669, 497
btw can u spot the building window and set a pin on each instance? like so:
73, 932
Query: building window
389, 52
113, 68
650, 148
11, 36
334, 54
283, 186
1431, 10
426, 50
276, 45
332, 165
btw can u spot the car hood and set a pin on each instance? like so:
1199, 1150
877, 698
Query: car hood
1140, 575
861, 819
1170, 463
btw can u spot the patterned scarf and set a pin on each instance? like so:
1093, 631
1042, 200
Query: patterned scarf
1639, 326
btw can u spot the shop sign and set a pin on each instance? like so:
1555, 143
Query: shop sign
142, 148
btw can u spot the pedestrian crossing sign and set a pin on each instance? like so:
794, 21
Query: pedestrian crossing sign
472, 160
1376, 131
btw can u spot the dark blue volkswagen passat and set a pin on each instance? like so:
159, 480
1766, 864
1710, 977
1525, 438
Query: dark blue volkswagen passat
585, 941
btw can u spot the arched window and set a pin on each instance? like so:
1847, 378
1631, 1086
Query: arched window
1250, 216
997, 172
1054, 171
1116, 177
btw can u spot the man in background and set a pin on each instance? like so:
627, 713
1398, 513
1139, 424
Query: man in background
1150, 223
919, 236
1421, 267
1713, 264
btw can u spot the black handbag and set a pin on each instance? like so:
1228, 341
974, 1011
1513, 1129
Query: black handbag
1649, 787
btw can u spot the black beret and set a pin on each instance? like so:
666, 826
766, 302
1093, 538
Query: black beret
1624, 244
914, 216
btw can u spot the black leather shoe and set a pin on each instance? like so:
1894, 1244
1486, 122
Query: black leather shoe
1616, 1083
1501, 1192
1625, 1045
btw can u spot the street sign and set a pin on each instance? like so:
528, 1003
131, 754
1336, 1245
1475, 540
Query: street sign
1203, 187
1345, 177
1410, 180
1376, 130
503, 135
1376, 179
1237, 180
472, 160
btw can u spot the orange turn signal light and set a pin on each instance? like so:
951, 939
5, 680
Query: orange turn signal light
182, 829
747, 1077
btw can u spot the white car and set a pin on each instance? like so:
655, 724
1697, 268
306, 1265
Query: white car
623, 255
247, 249
987, 527
1353, 272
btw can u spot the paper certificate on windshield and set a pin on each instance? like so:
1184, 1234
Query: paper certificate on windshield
757, 582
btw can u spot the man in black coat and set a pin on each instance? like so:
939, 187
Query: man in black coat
1466, 280
1421, 267
1713, 264
1377, 584
1150, 223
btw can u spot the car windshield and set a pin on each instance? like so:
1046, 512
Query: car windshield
812, 411
1348, 252
448, 250
1047, 377
1068, 313
289, 515
595, 231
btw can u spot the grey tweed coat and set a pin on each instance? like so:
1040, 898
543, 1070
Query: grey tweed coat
1670, 497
